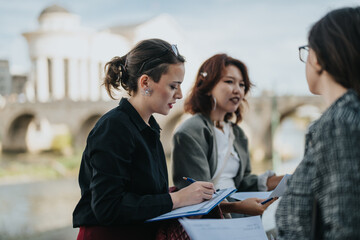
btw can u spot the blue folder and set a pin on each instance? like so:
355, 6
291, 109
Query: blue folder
197, 209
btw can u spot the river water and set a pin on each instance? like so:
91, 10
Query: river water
28, 209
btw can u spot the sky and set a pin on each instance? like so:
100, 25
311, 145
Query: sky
264, 34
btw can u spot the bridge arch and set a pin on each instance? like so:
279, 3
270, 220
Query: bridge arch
77, 118
304, 111
28, 132
84, 129
17, 133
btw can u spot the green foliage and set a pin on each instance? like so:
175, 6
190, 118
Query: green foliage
49, 165
61, 142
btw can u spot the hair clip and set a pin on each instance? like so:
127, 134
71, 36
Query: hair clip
175, 49
204, 74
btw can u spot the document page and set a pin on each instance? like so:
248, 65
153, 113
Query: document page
277, 192
281, 187
246, 195
230, 229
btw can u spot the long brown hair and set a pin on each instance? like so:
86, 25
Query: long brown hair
209, 74
151, 57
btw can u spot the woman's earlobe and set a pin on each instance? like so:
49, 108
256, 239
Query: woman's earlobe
314, 61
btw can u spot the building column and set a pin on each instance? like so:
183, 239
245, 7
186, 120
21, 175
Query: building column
94, 86
42, 83
104, 94
74, 79
84, 80
58, 79
30, 84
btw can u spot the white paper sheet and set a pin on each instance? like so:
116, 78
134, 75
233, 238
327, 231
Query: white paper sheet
281, 187
229, 229
246, 195
278, 191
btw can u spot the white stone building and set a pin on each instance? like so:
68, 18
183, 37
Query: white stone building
67, 60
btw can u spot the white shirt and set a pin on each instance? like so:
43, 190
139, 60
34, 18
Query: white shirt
226, 178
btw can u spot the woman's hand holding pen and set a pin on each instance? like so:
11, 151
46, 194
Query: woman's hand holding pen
195, 193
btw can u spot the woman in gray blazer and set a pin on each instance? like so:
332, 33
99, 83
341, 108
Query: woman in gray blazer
209, 146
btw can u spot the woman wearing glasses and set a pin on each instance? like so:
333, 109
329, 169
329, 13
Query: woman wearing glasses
123, 175
209, 146
322, 198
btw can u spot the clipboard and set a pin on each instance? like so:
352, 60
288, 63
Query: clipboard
202, 208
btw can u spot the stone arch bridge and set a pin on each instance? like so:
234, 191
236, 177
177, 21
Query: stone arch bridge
27, 126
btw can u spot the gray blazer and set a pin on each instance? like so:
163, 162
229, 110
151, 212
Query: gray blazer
194, 154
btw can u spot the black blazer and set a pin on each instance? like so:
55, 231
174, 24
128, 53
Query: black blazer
123, 175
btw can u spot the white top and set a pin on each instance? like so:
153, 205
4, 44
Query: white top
226, 179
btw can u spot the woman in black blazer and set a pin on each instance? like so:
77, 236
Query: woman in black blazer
123, 175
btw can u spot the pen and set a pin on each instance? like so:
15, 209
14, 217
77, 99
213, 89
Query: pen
189, 179
193, 180
267, 200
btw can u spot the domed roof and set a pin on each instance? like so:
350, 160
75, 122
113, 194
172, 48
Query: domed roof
54, 9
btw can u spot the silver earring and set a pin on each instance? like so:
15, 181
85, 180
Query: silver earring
214, 99
147, 92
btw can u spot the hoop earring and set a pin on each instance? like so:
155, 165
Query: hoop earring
214, 106
146, 92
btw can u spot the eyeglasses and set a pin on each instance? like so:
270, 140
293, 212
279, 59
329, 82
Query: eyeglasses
155, 60
303, 53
